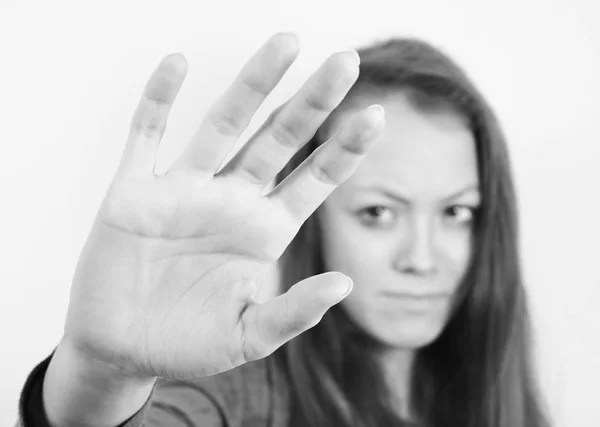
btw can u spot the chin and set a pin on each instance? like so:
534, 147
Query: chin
413, 340
409, 334
392, 328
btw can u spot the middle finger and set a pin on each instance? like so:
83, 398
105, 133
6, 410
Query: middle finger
229, 116
292, 125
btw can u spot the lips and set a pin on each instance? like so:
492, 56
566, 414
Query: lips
415, 295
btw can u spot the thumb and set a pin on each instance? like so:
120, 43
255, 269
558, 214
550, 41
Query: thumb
272, 324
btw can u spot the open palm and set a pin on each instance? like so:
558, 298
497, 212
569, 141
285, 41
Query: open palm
165, 284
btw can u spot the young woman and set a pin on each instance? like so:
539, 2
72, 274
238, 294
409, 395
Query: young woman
163, 327
436, 329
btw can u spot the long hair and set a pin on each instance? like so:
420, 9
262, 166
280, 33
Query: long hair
477, 373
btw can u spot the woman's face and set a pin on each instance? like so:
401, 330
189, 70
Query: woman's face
401, 226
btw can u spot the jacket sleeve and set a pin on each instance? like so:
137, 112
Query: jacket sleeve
171, 403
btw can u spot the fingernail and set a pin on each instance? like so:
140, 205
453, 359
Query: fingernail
378, 108
356, 56
349, 286
379, 115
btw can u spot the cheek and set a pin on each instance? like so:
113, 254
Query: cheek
350, 253
456, 254
350, 250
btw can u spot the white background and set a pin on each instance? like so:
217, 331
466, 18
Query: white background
71, 75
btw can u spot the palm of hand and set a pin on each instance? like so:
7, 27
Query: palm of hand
165, 283
210, 215
203, 245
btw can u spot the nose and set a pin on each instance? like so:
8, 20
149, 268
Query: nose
416, 253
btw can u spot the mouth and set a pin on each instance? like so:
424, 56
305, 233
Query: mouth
417, 303
416, 296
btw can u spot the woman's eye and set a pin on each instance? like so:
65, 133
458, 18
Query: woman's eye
460, 214
376, 215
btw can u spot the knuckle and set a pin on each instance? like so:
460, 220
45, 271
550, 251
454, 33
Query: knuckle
284, 134
148, 129
225, 124
150, 119
256, 84
324, 173
353, 144
286, 326
158, 100
318, 103
292, 322
248, 351
254, 175
252, 350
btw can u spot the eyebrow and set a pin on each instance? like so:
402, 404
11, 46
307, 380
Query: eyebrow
401, 199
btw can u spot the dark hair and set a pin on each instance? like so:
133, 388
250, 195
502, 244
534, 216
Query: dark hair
477, 373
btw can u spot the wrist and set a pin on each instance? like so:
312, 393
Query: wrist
81, 390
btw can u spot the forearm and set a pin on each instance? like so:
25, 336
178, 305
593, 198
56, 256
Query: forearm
79, 391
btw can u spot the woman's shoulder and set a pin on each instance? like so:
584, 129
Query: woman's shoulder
254, 393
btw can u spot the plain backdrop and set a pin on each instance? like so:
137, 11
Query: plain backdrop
71, 74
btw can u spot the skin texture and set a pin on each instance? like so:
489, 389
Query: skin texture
418, 244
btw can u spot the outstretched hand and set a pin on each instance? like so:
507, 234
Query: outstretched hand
165, 284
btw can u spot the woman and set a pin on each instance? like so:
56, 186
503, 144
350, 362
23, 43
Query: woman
464, 360
435, 330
